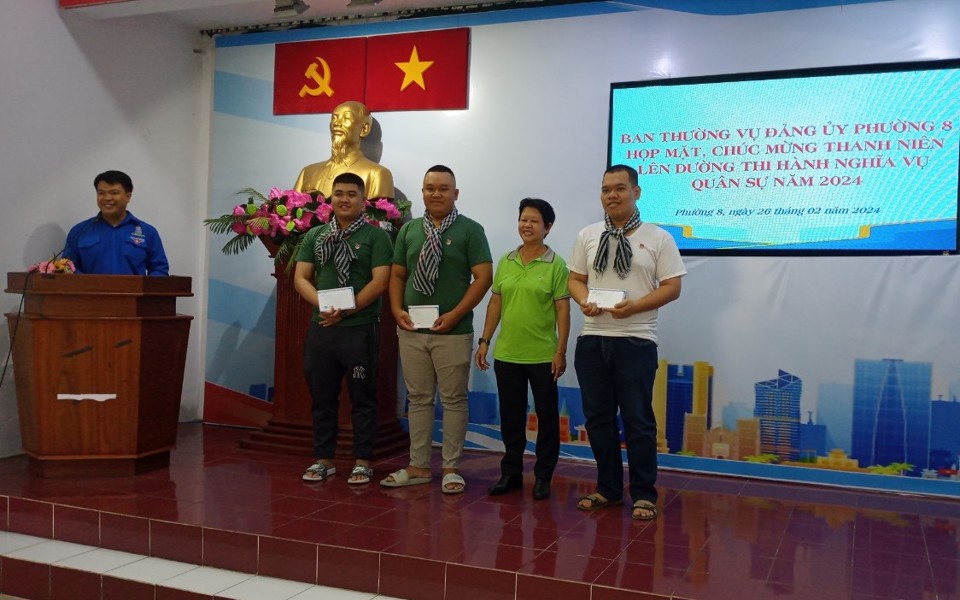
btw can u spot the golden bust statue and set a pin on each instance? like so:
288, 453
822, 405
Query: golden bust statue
349, 123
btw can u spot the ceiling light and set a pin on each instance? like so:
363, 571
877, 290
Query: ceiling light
286, 9
363, 2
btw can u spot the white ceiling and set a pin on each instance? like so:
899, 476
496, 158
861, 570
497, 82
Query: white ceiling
225, 14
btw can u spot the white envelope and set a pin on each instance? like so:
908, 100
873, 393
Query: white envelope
424, 315
605, 297
337, 298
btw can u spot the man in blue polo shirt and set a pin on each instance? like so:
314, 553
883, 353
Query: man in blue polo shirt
115, 242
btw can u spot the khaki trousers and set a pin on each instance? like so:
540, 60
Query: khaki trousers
436, 363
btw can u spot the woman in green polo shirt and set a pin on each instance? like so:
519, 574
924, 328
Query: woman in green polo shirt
531, 301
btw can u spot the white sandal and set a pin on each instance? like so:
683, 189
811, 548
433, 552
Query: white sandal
402, 478
453, 479
362, 473
318, 472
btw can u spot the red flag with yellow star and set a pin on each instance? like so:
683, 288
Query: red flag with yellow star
418, 71
316, 77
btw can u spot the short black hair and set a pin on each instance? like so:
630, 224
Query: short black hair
349, 178
442, 169
114, 177
542, 206
630, 171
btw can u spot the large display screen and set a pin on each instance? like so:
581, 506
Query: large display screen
851, 160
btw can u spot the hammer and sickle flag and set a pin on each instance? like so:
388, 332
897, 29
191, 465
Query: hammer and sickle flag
427, 70
316, 77
322, 81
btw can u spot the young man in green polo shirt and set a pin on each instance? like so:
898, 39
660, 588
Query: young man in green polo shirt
441, 268
351, 256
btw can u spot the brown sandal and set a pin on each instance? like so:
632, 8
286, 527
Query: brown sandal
646, 505
596, 502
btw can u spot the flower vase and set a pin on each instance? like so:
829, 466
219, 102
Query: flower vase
272, 247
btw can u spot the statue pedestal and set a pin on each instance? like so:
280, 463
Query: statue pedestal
290, 429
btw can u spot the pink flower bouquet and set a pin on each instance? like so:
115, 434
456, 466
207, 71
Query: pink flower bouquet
56, 265
282, 217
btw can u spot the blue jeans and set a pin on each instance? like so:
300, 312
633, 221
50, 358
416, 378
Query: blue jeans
618, 373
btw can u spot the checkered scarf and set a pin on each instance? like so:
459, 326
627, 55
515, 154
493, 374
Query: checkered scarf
334, 245
428, 265
621, 261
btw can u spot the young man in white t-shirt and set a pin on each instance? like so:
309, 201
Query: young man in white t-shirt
616, 355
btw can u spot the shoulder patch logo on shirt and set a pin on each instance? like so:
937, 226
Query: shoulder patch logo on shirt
137, 236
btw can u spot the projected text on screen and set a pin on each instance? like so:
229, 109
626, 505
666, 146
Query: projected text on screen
852, 160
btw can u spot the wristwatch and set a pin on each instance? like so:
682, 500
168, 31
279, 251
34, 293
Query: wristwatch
483, 341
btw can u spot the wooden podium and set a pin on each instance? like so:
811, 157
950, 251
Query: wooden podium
98, 361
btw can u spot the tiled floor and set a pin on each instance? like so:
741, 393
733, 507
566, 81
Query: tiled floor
83, 569
245, 512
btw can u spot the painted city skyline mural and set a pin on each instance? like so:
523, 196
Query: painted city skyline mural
884, 421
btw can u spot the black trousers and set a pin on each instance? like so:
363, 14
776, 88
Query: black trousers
512, 382
329, 354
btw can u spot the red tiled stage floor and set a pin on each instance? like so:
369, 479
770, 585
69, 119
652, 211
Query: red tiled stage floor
716, 538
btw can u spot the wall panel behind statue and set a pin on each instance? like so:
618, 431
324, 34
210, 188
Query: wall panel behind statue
82, 96
536, 126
